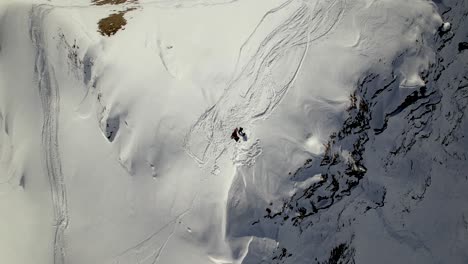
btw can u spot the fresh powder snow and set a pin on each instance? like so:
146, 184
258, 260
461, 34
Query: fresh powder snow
233, 131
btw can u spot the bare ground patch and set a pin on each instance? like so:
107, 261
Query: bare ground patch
113, 2
110, 25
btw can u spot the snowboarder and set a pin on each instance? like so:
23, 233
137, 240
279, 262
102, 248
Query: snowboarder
241, 132
234, 135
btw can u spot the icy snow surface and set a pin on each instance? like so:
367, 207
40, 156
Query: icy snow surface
116, 119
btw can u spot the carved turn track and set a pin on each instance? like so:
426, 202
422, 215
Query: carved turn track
269, 65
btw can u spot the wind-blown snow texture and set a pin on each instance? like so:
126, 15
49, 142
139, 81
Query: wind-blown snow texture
116, 148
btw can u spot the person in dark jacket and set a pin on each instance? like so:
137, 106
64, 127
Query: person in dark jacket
234, 135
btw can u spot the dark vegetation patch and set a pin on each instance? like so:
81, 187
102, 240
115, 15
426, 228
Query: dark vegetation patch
112, 2
110, 25
113, 23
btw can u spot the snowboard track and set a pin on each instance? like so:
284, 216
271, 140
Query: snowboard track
50, 100
257, 91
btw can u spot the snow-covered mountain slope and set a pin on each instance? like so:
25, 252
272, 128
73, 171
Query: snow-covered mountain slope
116, 119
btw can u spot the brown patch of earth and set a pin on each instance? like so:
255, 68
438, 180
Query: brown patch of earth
113, 2
110, 25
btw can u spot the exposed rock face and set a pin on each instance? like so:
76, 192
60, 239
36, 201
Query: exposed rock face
403, 177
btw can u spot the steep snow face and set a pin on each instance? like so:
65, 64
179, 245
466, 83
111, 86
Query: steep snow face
116, 120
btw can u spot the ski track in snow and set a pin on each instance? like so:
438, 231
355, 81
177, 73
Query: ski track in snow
50, 99
254, 93
149, 244
265, 69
